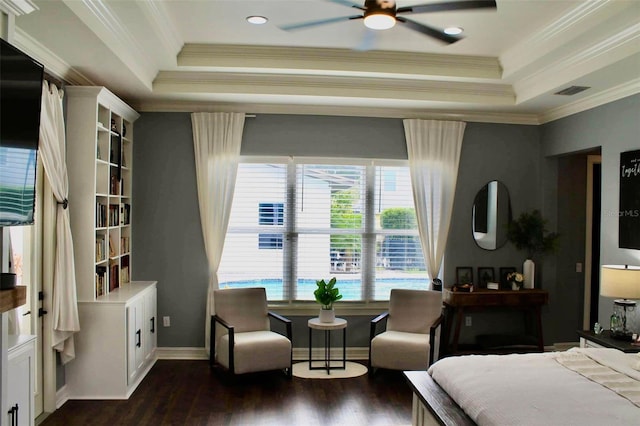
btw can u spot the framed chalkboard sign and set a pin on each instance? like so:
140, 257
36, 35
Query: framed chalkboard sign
629, 215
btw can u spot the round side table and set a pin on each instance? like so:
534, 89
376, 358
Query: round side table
337, 324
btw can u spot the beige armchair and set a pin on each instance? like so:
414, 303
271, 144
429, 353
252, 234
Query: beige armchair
244, 342
412, 331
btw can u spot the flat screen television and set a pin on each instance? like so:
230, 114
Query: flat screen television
20, 101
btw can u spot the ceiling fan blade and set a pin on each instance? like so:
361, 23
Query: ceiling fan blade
302, 25
447, 6
427, 30
368, 41
347, 3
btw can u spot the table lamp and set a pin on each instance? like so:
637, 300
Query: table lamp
622, 281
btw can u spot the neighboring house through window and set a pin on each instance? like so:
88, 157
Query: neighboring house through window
270, 214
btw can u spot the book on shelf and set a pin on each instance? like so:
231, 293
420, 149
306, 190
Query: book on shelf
114, 277
125, 213
114, 187
101, 252
101, 278
112, 250
125, 246
101, 215
113, 215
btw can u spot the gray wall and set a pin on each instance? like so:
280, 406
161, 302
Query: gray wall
542, 167
167, 242
615, 128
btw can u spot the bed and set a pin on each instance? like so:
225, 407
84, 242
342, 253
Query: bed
582, 386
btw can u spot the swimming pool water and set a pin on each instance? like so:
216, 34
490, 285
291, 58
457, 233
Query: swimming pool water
351, 290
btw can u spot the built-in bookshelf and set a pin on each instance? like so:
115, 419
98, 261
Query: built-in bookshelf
100, 139
116, 345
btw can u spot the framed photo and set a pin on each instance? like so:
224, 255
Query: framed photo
464, 275
485, 274
629, 212
504, 271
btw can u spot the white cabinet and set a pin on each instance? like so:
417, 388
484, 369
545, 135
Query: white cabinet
116, 346
141, 332
21, 358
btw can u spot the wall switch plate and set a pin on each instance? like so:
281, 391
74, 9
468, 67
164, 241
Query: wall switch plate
578, 267
467, 321
166, 321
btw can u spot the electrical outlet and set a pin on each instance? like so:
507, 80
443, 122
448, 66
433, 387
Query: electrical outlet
166, 321
467, 321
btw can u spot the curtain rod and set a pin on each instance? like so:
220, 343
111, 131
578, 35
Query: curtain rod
53, 79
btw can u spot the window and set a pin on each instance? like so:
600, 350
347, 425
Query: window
321, 219
270, 214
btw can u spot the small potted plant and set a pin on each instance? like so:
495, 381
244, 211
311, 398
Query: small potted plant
326, 294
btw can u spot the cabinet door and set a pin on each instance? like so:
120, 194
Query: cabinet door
20, 385
135, 355
151, 325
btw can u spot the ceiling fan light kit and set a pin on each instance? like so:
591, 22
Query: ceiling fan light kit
379, 14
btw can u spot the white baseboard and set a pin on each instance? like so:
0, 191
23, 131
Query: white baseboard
299, 354
62, 396
182, 353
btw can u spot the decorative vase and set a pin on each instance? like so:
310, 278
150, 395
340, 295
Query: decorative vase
529, 270
515, 285
327, 315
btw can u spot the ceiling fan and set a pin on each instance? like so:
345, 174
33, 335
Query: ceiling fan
383, 14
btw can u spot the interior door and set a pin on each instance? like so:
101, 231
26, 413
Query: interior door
592, 242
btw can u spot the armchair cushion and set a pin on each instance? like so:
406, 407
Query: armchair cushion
256, 351
244, 308
397, 350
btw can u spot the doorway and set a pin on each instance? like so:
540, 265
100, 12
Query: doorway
592, 242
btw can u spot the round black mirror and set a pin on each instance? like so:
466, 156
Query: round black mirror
491, 216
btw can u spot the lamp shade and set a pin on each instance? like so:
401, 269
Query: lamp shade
620, 281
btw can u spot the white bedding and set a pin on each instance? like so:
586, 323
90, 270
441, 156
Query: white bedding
537, 389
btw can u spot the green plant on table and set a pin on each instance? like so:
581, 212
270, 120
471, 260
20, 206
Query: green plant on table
327, 293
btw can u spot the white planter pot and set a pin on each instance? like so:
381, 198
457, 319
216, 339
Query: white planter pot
327, 315
529, 270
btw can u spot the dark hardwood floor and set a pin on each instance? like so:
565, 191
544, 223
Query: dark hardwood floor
190, 393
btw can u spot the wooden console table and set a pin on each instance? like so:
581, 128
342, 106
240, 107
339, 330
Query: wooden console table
456, 304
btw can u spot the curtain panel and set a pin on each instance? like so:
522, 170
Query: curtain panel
434, 155
216, 138
52, 150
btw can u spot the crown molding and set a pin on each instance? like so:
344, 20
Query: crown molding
53, 64
347, 111
339, 60
100, 18
162, 25
327, 86
555, 35
601, 54
622, 91
18, 7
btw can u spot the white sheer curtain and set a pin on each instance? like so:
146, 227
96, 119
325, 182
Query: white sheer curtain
434, 154
216, 139
52, 152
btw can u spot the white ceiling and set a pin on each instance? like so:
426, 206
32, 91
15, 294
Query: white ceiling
177, 55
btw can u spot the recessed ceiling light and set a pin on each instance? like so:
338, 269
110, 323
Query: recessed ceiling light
453, 30
257, 20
